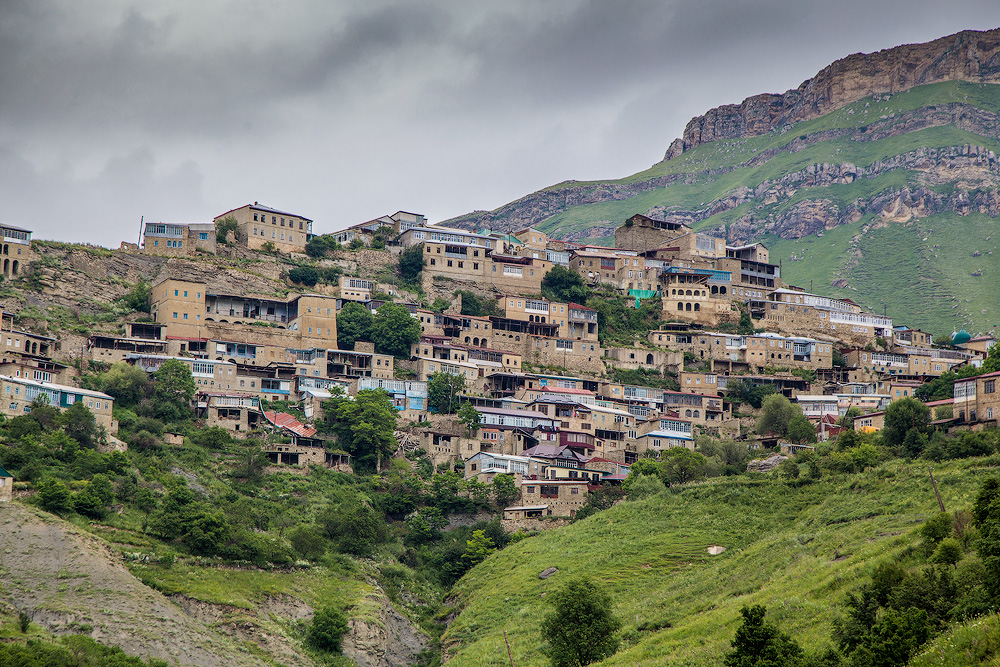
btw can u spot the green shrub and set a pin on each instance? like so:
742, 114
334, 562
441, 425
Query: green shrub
327, 629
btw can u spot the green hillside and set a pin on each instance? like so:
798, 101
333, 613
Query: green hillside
797, 550
883, 136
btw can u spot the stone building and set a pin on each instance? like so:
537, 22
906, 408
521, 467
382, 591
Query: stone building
19, 393
258, 225
15, 250
178, 240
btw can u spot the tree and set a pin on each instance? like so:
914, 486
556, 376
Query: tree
504, 490
478, 548
442, 391
214, 437
903, 416
759, 644
411, 263
173, 389
125, 382
472, 418
801, 430
304, 275
992, 362
986, 518
681, 465
641, 468
776, 413
948, 552
224, 226
394, 330
741, 391
354, 528
562, 284
789, 469
319, 246
581, 629
364, 426
327, 629
79, 423
354, 323
53, 496
137, 298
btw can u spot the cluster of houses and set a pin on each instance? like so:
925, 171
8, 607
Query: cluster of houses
560, 432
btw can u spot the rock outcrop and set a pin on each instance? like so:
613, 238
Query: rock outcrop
965, 56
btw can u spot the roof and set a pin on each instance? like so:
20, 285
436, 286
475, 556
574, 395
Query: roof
526, 507
543, 450
566, 400
564, 390
576, 306
257, 207
290, 423
4, 473
978, 377
515, 413
59, 387
15, 229
666, 434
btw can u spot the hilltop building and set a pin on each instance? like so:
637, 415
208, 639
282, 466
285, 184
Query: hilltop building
259, 225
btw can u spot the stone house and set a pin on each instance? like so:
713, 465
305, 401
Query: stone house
976, 400
258, 225
178, 240
558, 497
19, 393
15, 250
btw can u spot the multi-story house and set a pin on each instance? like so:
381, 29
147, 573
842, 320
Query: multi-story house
259, 225
397, 223
794, 311
976, 399
238, 413
190, 311
15, 250
178, 240
19, 394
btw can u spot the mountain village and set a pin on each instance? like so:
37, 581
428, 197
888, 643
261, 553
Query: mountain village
536, 371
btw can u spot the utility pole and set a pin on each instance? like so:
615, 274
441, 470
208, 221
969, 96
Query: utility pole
139, 241
936, 492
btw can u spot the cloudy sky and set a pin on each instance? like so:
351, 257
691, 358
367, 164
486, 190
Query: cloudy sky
344, 110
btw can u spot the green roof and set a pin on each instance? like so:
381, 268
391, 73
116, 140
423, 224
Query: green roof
4, 473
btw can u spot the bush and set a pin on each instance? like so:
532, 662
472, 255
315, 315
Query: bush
222, 227
304, 275
327, 629
411, 263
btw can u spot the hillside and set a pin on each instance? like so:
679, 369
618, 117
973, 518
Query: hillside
881, 160
796, 549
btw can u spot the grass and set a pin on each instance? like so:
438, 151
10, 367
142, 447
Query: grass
246, 589
796, 550
974, 643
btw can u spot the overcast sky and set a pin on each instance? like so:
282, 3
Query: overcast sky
344, 110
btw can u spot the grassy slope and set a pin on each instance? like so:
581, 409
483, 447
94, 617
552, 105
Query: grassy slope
927, 284
796, 550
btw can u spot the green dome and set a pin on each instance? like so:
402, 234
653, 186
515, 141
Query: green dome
961, 338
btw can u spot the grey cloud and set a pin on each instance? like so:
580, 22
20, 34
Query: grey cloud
349, 109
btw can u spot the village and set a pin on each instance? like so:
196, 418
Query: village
551, 412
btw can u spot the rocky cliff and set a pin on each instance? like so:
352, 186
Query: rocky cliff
966, 56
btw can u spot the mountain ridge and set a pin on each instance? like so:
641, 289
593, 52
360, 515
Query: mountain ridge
848, 80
